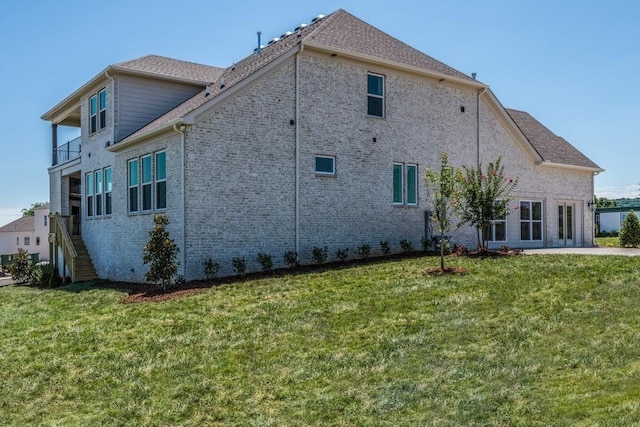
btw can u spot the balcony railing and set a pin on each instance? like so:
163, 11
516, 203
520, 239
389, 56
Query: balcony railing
68, 151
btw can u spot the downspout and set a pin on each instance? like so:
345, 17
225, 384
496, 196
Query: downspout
479, 93
297, 148
180, 129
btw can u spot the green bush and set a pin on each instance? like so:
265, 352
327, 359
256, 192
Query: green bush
319, 254
426, 244
265, 261
406, 245
45, 275
630, 231
342, 254
291, 258
211, 268
385, 247
161, 254
364, 251
239, 265
20, 267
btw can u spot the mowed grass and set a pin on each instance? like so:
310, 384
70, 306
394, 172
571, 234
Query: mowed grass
529, 340
612, 242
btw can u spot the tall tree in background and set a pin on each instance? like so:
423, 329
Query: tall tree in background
484, 198
603, 202
30, 211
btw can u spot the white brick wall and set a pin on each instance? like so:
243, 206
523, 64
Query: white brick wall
240, 170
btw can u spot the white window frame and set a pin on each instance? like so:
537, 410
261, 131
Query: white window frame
393, 177
156, 199
375, 95
89, 197
146, 185
135, 186
98, 179
107, 206
333, 164
102, 109
531, 221
27, 241
406, 176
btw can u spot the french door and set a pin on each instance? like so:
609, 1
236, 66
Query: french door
566, 226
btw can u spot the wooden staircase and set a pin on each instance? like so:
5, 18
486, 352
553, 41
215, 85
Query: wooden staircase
83, 264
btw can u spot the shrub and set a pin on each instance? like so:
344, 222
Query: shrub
385, 247
319, 254
291, 258
630, 231
161, 254
42, 275
364, 251
406, 245
239, 265
265, 261
342, 254
426, 244
211, 268
20, 266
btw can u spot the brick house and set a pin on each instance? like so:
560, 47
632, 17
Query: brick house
318, 139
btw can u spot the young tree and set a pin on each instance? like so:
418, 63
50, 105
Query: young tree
630, 231
485, 197
161, 253
443, 187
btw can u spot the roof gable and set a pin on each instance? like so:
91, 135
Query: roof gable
552, 148
344, 32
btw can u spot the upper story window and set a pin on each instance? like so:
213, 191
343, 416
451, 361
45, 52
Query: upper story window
27, 241
98, 111
375, 95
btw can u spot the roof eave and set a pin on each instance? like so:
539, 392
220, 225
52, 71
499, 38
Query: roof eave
128, 142
397, 65
71, 101
595, 170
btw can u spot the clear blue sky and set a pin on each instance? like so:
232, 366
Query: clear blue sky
573, 65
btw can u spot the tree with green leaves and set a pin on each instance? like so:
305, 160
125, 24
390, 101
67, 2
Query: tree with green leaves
30, 211
484, 198
603, 202
442, 185
630, 231
161, 254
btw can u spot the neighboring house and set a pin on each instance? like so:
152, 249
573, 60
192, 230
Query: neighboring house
29, 233
321, 138
609, 220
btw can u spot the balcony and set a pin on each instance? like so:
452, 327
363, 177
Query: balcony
67, 152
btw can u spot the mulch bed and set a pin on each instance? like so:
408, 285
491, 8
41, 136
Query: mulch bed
143, 292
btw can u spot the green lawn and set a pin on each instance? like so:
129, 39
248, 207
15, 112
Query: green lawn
528, 340
612, 242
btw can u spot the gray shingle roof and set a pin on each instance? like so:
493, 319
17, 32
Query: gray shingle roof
339, 30
169, 67
552, 148
23, 224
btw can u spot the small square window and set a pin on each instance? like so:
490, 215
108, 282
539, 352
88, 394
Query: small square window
325, 165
